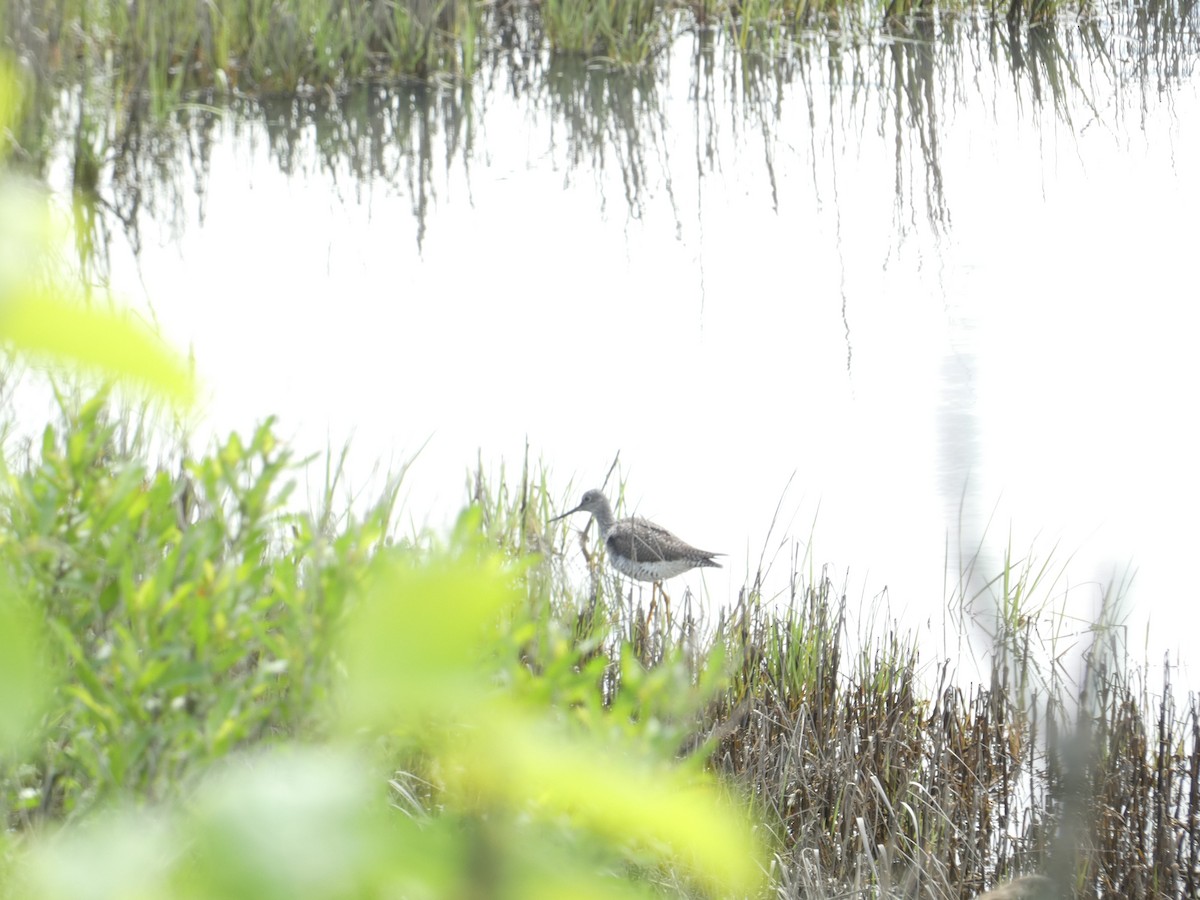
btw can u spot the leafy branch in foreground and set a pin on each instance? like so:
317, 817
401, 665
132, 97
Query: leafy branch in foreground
180, 629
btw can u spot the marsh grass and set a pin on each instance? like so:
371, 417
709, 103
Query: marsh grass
168, 48
878, 772
625, 32
137, 171
172, 49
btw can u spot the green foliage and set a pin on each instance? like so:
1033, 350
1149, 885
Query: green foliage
413, 646
182, 633
35, 319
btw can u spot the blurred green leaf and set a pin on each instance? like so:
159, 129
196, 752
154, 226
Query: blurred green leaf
124, 854
414, 646
43, 323
293, 823
514, 758
10, 103
43, 316
421, 658
24, 679
26, 236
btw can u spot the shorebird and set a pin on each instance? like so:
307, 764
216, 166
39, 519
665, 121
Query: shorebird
639, 548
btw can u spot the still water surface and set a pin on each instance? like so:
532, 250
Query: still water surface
899, 288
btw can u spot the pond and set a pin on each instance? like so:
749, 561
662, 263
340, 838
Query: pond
870, 305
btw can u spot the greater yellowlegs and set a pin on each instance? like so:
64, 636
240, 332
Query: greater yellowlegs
639, 548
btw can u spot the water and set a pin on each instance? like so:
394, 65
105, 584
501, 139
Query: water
918, 293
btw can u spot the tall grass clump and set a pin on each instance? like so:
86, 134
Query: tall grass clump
167, 49
171, 47
768, 29
876, 768
626, 32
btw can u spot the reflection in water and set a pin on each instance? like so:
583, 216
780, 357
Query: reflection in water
397, 137
901, 86
143, 171
911, 74
606, 120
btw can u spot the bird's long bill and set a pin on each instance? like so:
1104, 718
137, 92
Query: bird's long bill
567, 513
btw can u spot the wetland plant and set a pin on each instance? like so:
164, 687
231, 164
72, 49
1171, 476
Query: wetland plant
172, 48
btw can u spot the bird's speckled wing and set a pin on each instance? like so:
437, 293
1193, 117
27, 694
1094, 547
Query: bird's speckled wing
639, 540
